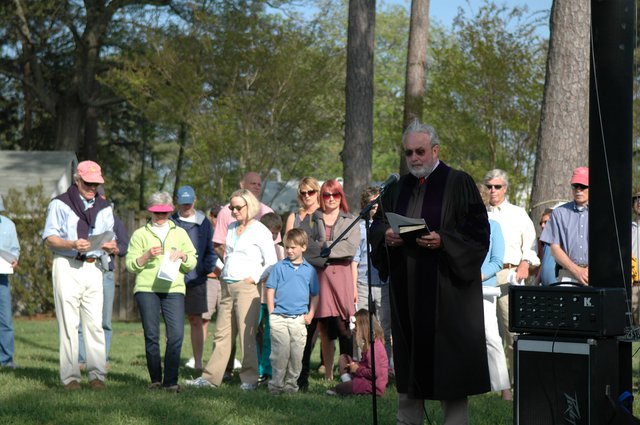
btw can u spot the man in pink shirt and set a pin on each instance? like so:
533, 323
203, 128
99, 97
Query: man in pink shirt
252, 182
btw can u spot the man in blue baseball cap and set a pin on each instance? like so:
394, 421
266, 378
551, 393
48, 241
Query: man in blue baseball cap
199, 228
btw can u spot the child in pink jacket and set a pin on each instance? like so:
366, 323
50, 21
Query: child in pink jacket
356, 376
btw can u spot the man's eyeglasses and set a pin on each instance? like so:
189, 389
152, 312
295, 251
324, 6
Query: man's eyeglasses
327, 195
578, 186
410, 152
494, 186
236, 207
304, 193
90, 184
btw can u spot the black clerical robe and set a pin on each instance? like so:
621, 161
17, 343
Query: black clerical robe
436, 295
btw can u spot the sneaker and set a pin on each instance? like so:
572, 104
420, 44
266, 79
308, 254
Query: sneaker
9, 365
96, 384
72, 386
331, 392
245, 386
199, 383
155, 386
263, 378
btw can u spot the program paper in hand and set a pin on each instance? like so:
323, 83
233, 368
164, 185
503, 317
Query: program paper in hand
6, 258
169, 269
97, 241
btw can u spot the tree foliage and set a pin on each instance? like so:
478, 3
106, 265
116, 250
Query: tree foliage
484, 92
31, 288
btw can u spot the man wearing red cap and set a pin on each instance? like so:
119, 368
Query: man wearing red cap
568, 232
74, 220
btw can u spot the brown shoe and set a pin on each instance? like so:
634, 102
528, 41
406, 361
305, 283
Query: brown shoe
155, 386
96, 384
72, 386
172, 388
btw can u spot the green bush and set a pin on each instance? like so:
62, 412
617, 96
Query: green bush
31, 287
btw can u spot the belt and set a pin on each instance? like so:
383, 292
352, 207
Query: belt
338, 262
85, 258
507, 266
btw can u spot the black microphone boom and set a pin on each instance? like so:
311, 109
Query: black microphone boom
389, 181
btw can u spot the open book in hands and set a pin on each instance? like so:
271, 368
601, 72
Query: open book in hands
408, 228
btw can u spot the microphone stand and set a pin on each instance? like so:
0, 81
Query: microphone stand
364, 214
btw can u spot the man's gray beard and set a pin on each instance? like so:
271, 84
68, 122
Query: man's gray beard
420, 172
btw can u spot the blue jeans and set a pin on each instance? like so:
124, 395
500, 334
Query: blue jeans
6, 321
108, 293
151, 304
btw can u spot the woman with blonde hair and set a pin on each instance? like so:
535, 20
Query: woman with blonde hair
249, 252
309, 201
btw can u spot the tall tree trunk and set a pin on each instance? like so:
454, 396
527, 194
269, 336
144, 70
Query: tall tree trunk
356, 155
182, 142
563, 141
143, 164
414, 88
27, 121
70, 115
91, 134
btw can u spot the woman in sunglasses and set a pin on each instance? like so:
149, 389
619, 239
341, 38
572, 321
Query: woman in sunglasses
309, 201
337, 273
249, 252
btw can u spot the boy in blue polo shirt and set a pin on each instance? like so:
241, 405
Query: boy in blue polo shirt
292, 298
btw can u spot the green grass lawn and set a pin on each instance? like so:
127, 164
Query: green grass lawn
32, 394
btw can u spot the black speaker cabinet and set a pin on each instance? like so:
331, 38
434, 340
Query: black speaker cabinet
564, 380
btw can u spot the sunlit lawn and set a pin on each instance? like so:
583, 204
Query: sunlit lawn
32, 394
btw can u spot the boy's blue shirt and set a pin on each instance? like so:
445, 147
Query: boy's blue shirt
294, 285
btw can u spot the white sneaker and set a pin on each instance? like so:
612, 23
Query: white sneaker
199, 383
245, 386
191, 363
331, 393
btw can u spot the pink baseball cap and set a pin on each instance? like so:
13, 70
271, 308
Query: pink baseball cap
160, 208
580, 176
90, 172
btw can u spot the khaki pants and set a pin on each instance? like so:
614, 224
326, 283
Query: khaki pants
239, 302
77, 292
502, 309
288, 338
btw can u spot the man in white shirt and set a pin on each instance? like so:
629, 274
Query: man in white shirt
519, 253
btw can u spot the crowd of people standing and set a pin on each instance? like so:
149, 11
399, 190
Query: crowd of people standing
280, 292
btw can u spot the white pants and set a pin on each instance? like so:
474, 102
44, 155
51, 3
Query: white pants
77, 292
495, 352
411, 411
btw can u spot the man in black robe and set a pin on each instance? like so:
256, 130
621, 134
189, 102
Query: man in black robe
436, 292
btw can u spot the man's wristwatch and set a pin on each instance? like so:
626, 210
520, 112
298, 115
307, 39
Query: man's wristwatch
528, 262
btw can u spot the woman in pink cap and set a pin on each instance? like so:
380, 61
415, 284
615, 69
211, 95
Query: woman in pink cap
153, 250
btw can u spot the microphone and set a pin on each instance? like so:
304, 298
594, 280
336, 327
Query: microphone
389, 181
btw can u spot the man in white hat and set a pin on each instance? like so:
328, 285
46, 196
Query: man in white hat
75, 220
